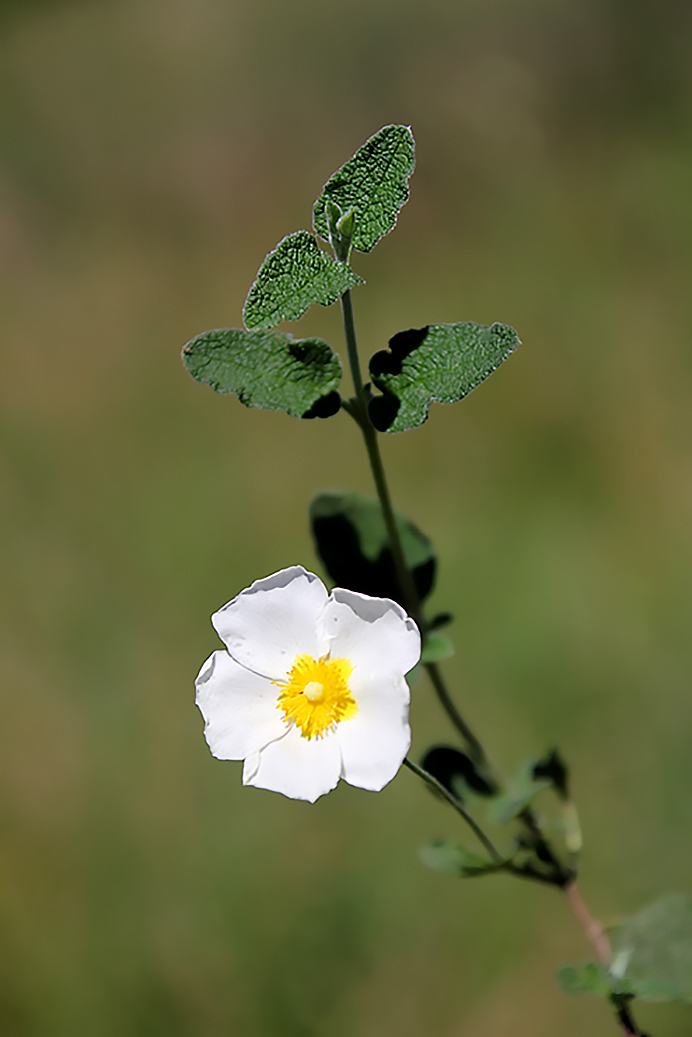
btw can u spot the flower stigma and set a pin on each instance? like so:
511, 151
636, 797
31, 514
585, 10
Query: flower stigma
314, 691
316, 696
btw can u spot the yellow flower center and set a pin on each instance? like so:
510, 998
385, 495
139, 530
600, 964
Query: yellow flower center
315, 695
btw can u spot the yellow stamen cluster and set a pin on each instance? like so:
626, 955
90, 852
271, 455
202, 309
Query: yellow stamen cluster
315, 695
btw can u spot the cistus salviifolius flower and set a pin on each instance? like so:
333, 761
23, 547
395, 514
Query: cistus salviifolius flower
310, 687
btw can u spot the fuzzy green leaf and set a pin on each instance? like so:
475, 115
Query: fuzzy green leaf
452, 859
652, 951
373, 183
268, 369
295, 276
439, 363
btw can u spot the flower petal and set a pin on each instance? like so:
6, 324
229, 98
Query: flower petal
375, 741
273, 621
239, 708
300, 768
375, 634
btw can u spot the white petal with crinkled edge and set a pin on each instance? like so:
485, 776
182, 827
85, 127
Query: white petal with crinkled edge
238, 706
302, 768
375, 634
375, 741
273, 621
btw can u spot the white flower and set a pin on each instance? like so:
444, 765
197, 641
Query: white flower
310, 688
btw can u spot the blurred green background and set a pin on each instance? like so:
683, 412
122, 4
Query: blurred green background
152, 152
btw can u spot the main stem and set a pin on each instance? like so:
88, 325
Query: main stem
475, 748
593, 929
411, 598
372, 446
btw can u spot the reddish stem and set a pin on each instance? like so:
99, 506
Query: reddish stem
593, 928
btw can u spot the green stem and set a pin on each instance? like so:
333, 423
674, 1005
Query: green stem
562, 877
460, 809
403, 572
360, 413
352, 347
475, 748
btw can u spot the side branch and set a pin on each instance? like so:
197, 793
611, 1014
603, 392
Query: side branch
596, 934
430, 780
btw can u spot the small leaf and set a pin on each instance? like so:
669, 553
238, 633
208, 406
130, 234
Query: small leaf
521, 790
442, 619
589, 978
652, 951
295, 276
436, 648
352, 543
439, 363
452, 859
267, 369
554, 769
457, 772
373, 183
509, 806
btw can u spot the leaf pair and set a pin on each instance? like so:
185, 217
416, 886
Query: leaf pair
358, 205
371, 187
301, 376
439, 363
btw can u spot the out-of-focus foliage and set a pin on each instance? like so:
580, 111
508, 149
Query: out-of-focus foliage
452, 859
651, 956
151, 153
652, 951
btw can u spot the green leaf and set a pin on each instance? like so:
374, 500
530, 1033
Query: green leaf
520, 792
373, 183
589, 978
292, 278
268, 369
352, 543
652, 951
452, 859
553, 769
436, 647
460, 775
439, 363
